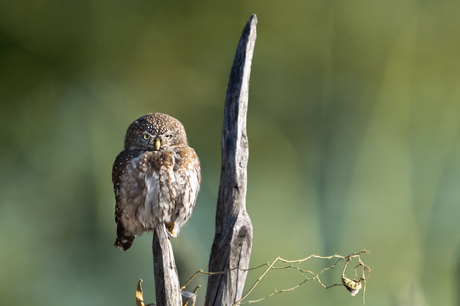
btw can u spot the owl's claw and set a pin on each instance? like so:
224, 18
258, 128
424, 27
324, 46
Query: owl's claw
170, 227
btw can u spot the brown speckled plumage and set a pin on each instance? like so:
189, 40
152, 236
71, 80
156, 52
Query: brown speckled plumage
156, 178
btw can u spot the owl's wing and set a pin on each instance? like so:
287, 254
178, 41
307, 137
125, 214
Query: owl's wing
118, 170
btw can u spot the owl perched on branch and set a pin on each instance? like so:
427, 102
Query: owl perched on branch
156, 178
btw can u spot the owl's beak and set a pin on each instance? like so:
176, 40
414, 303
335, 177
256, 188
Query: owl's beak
157, 144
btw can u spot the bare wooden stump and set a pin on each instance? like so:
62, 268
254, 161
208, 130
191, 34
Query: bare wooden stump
233, 238
167, 287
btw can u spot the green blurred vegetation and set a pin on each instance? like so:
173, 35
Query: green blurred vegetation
354, 129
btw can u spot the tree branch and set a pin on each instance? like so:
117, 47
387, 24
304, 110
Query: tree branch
233, 238
167, 286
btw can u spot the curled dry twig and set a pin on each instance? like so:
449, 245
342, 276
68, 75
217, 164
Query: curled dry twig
352, 285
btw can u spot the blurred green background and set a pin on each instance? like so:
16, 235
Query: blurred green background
353, 125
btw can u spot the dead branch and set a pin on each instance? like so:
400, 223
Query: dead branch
233, 238
167, 286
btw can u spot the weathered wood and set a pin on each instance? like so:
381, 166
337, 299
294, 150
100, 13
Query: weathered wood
233, 238
167, 287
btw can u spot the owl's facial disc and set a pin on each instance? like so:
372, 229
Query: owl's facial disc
157, 142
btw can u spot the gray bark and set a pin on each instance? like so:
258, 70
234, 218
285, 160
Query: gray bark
167, 287
233, 238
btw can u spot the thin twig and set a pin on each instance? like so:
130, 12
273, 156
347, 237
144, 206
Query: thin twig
316, 276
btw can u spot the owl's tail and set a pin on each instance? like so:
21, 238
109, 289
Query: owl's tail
124, 242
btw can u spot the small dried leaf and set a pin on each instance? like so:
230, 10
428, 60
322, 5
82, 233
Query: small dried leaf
352, 285
189, 296
139, 295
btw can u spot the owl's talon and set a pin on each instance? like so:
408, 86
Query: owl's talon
170, 227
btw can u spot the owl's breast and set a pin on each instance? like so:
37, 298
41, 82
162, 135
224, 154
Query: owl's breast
148, 189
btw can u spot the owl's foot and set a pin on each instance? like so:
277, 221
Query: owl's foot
170, 227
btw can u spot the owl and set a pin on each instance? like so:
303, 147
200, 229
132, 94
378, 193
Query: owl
156, 178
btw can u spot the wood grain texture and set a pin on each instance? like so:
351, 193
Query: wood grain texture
233, 238
167, 287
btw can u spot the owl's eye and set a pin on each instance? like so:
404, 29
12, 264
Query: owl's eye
146, 136
168, 136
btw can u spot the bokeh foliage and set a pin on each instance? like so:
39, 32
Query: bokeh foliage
353, 123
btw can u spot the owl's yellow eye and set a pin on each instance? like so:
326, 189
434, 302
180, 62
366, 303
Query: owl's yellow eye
146, 136
168, 136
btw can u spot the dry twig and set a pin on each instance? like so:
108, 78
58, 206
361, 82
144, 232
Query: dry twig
353, 285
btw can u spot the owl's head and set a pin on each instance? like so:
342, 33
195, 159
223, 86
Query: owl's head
155, 132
